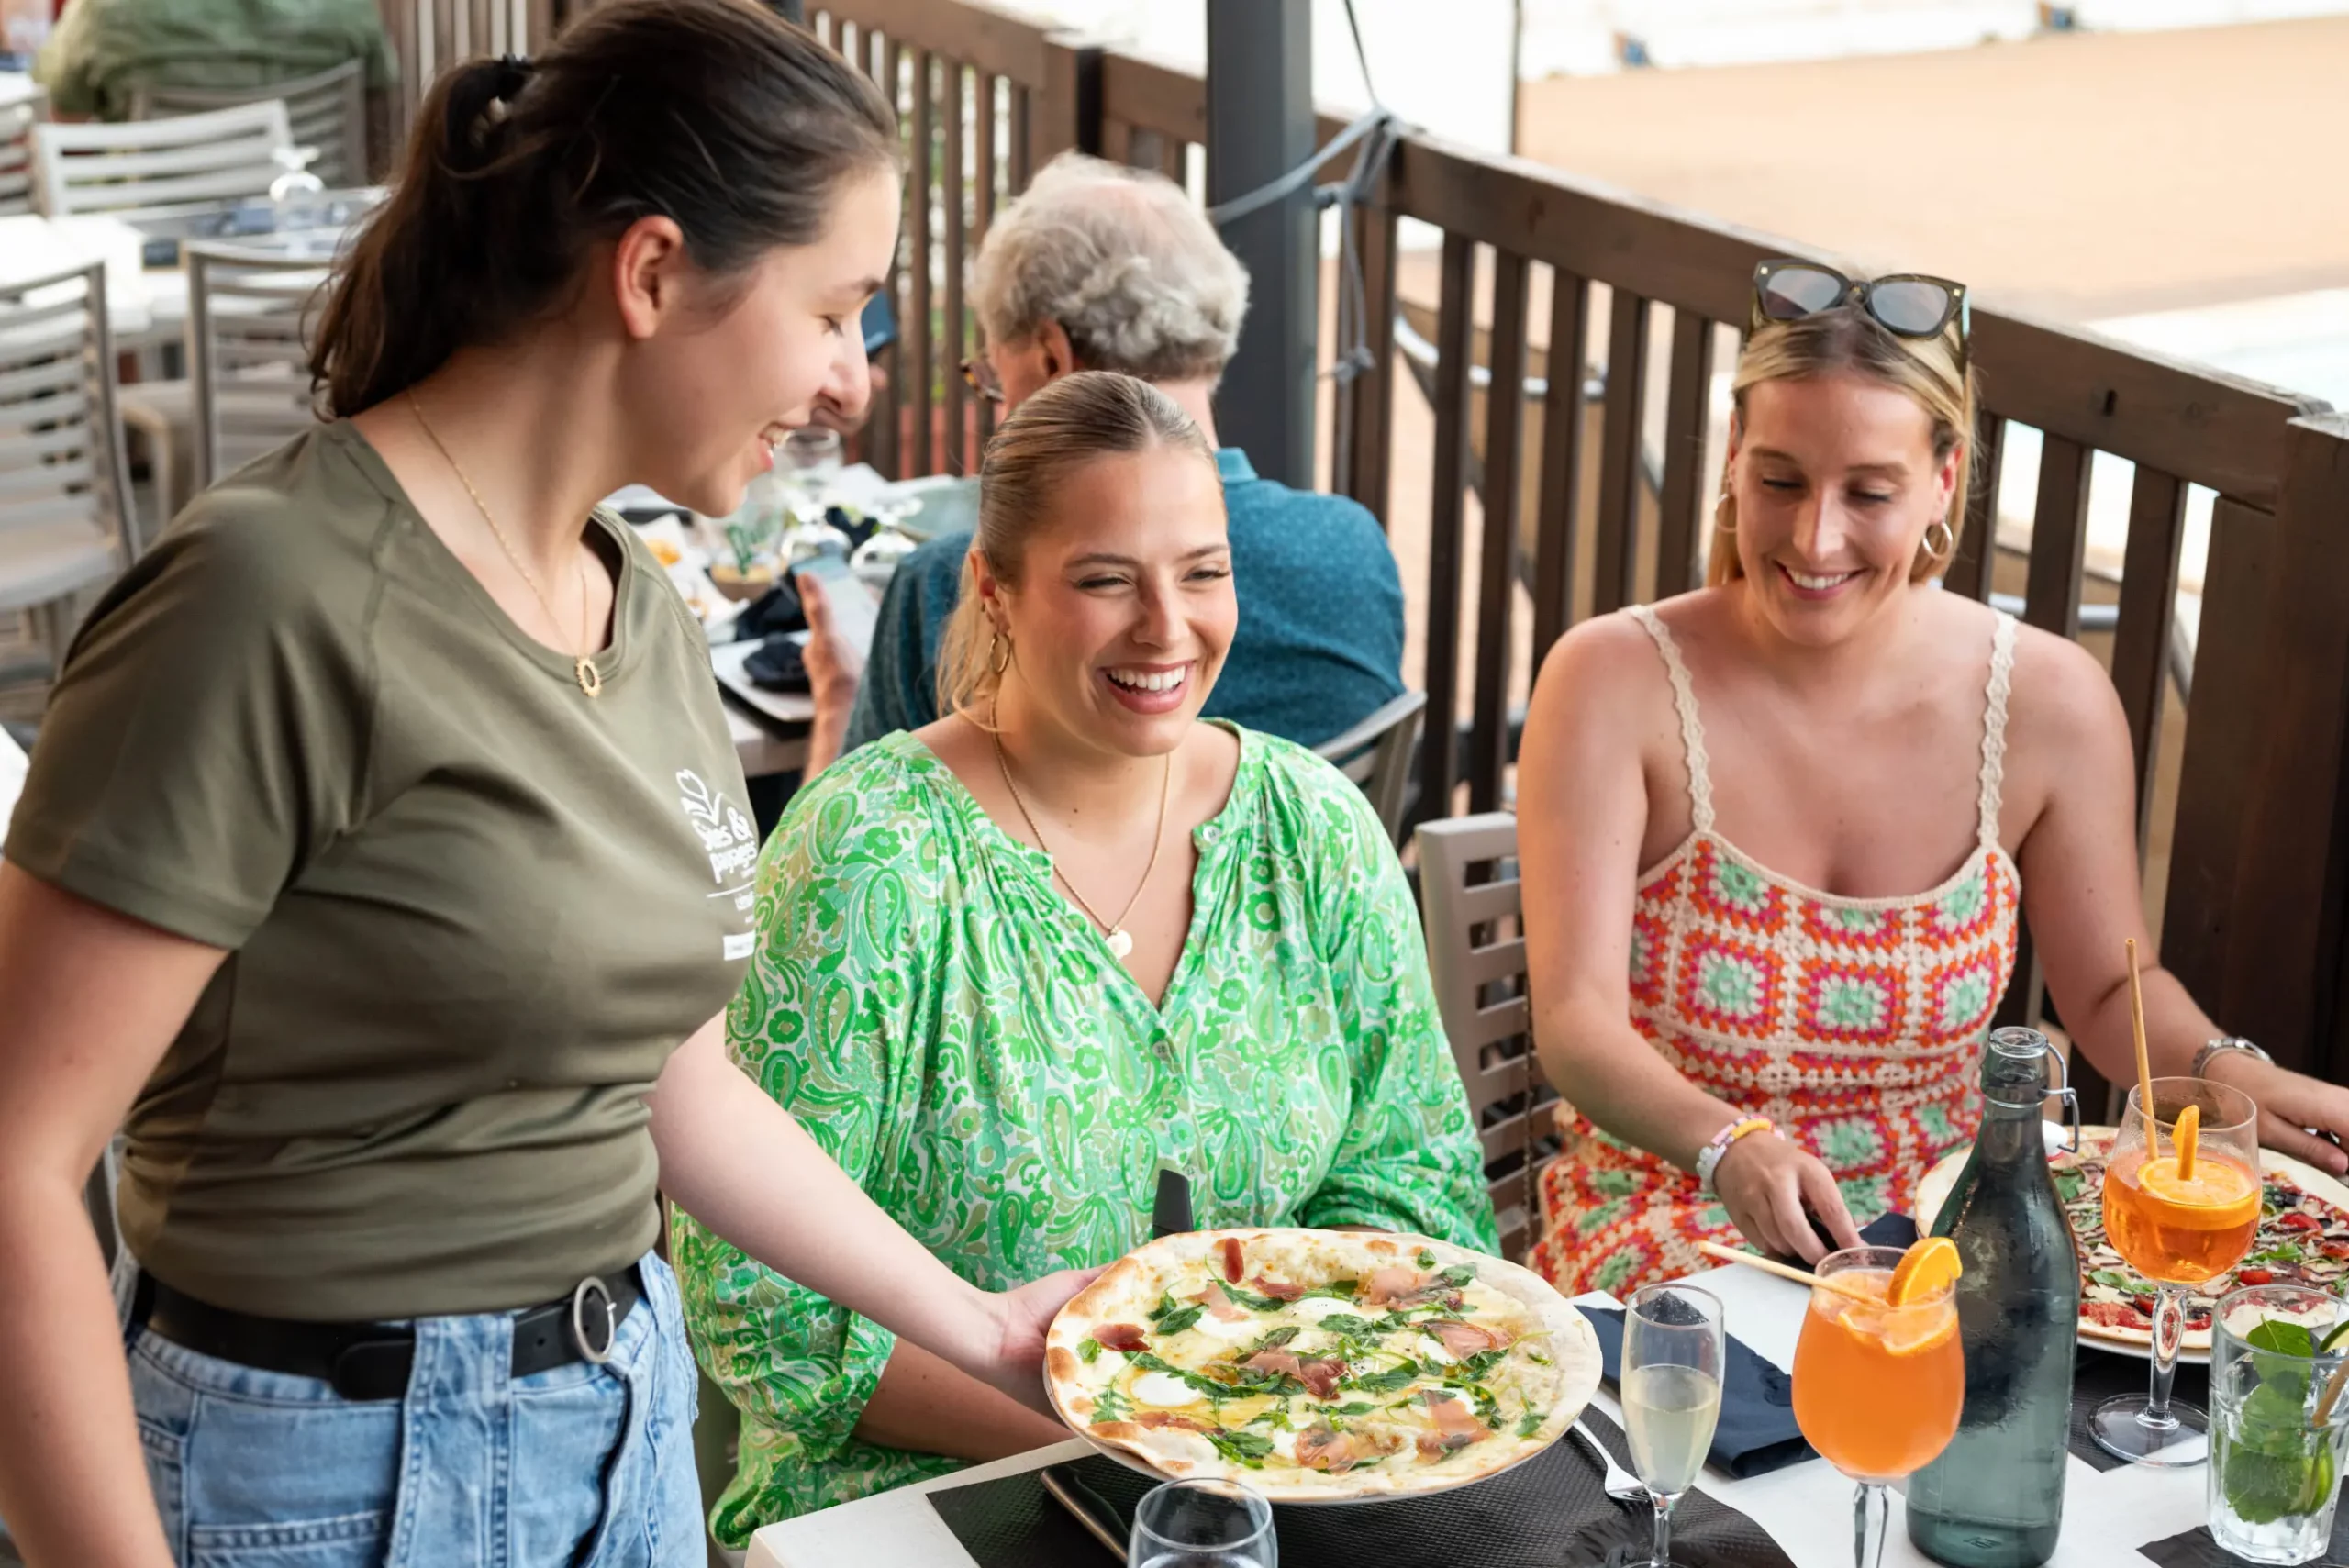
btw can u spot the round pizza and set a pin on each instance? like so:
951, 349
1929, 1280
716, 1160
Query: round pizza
2303, 1238
1319, 1365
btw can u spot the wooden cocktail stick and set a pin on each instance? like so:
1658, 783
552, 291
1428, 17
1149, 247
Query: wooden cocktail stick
1786, 1271
2144, 1063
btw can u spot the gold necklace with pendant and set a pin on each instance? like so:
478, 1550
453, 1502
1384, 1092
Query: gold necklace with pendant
583, 665
1120, 940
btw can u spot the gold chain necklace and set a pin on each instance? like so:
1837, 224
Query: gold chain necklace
583, 665
1120, 940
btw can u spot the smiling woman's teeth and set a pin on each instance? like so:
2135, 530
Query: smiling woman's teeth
1148, 680
1805, 580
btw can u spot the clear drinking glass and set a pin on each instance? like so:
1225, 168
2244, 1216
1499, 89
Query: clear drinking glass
2275, 1467
1203, 1524
1673, 1352
2178, 1224
1877, 1387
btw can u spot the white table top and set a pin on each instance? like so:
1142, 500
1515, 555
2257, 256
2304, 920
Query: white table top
1806, 1507
32, 246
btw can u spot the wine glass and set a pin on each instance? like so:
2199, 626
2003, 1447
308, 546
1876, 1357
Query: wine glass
2182, 1212
877, 559
1877, 1387
1203, 1524
1673, 1356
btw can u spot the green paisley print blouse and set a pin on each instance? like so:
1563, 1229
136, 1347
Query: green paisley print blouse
959, 1038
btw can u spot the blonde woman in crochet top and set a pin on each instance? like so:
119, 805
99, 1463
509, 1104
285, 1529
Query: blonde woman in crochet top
1779, 837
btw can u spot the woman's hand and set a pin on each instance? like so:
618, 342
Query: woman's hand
1772, 1188
1021, 1318
834, 669
2289, 1104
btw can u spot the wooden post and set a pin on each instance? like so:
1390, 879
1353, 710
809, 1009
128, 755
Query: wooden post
2282, 948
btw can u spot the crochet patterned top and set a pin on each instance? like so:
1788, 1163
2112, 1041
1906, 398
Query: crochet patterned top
1855, 1024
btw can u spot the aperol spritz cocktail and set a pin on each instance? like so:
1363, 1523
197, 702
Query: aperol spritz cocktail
1879, 1376
2178, 1229
2181, 1203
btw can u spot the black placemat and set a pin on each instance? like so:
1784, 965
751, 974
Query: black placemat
1550, 1512
2097, 1375
2195, 1549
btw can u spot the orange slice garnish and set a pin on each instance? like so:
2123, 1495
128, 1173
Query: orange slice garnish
2185, 1138
1927, 1267
2220, 1194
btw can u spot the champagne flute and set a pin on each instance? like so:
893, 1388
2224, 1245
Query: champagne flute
1203, 1524
1877, 1387
1673, 1352
2181, 1204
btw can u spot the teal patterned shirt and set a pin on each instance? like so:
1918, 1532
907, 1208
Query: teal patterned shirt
960, 1038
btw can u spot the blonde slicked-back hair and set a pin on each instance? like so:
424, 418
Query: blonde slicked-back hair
1071, 422
1846, 340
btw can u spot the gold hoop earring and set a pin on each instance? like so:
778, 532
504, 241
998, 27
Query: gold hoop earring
1948, 545
998, 654
1725, 514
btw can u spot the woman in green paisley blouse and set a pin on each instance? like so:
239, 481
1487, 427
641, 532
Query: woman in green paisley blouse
1011, 962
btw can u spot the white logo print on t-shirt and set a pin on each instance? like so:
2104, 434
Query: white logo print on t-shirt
732, 844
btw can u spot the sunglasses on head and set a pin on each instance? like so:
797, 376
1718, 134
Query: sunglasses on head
1907, 304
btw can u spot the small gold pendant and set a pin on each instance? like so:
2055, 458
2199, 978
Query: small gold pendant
1120, 942
590, 679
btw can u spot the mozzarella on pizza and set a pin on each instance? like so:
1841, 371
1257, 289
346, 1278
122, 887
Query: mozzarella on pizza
1317, 1364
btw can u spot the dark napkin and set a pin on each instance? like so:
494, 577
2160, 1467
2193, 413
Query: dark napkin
1757, 1432
776, 610
780, 665
1549, 1512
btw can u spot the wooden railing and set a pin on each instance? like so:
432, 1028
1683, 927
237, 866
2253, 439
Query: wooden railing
985, 97
1587, 499
1660, 290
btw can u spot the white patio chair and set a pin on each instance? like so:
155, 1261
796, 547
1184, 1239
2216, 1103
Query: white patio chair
17, 121
1469, 897
326, 112
247, 361
1378, 752
144, 168
64, 489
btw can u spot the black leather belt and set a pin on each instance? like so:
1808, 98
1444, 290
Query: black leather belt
371, 1361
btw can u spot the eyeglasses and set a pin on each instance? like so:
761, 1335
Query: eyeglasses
978, 374
1907, 304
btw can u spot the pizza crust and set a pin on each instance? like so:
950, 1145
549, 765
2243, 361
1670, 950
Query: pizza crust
1125, 1292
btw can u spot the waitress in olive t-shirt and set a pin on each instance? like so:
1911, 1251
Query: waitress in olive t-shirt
384, 840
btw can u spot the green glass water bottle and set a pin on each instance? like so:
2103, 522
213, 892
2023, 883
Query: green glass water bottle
1995, 1498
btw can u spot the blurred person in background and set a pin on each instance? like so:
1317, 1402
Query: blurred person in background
1097, 266
103, 52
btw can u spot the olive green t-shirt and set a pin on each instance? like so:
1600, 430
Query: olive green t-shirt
470, 910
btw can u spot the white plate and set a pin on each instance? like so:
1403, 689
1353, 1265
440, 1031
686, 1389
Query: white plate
1933, 1190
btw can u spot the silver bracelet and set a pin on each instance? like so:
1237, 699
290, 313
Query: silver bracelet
2226, 1042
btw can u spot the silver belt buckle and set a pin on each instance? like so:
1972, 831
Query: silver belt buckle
589, 1351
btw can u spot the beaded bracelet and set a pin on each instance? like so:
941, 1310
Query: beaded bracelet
1708, 1158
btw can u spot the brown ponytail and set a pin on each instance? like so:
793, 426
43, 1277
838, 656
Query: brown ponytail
714, 113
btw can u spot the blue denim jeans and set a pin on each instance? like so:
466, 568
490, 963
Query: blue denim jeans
590, 1466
